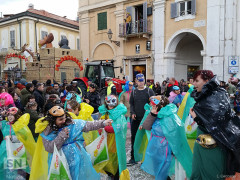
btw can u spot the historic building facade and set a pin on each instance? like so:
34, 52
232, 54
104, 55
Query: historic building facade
193, 34
130, 45
28, 28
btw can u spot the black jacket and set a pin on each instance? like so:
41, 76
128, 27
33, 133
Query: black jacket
33, 119
214, 116
39, 99
137, 101
94, 99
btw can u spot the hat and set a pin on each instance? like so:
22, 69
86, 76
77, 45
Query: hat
15, 82
108, 78
74, 82
34, 82
175, 88
140, 77
130, 83
89, 79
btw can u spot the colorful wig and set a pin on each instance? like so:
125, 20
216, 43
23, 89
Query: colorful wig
8, 99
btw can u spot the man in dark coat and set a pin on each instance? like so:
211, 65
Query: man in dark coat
25, 93
38, 93
139, 97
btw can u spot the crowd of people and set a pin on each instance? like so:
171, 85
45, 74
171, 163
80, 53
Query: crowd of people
186, 130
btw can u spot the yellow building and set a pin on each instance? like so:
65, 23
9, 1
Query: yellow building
130, 44
195, 34
28, 28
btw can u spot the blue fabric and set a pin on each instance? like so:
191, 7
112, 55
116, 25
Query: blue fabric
178, 99
78, 159
158, 154
174, 131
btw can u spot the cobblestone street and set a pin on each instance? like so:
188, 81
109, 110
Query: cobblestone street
135, 170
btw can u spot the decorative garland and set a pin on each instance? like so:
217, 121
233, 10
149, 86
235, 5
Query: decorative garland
67, 58
15, 55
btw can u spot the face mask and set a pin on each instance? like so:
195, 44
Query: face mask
154, 101
111, 101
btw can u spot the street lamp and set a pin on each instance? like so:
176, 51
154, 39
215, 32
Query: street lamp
109, 33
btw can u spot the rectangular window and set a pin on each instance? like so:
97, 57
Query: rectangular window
102, 21
63, 37
185, 8
12, 38
43, 34
78, 44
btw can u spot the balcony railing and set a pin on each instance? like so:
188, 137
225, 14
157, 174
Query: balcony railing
135, 28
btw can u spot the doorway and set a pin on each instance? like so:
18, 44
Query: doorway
191, 70
139, 69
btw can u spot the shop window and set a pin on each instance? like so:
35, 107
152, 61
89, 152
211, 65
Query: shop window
102, 21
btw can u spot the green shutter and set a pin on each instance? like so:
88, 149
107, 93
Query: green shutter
102, 21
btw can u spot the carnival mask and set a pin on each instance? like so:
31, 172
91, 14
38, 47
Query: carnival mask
12, 110
111, 101
155, 100
56, 111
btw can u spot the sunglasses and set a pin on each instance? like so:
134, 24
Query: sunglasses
130, 85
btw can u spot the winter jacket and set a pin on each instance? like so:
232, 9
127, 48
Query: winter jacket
94, 99
137, 101
24, 96
170, 88
33, 119
39, 99
125, 97
215, 117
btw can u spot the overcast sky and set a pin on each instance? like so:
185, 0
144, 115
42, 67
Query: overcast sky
59, 7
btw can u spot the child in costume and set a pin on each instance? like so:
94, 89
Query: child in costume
167, 138
15, 128
6, 101
66, 133
143, 135
116, 137
175, 96
82, 111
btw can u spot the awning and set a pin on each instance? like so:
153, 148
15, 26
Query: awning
9, 67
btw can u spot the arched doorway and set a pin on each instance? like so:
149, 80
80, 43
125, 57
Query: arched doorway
186, 58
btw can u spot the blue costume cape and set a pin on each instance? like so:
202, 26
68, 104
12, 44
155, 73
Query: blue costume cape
120, 129
168, 134
79, 161
142, 138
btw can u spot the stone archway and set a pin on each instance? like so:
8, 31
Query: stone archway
184, 53
103, 51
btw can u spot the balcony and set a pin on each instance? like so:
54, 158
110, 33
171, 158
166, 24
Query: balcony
136, 28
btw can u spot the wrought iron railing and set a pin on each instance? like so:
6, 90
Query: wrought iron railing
136, 27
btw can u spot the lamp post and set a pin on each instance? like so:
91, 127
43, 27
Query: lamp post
109, 33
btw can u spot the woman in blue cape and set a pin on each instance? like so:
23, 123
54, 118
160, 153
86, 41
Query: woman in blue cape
167, 138
66, 133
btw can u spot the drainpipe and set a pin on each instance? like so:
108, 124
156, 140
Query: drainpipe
20, 32
36, 33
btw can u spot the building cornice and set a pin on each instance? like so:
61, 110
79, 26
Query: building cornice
119, 13
37, 16
159, 4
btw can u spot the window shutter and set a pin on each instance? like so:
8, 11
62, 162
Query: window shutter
145, 17
102, 21
193, 7
174, 10
78, 44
